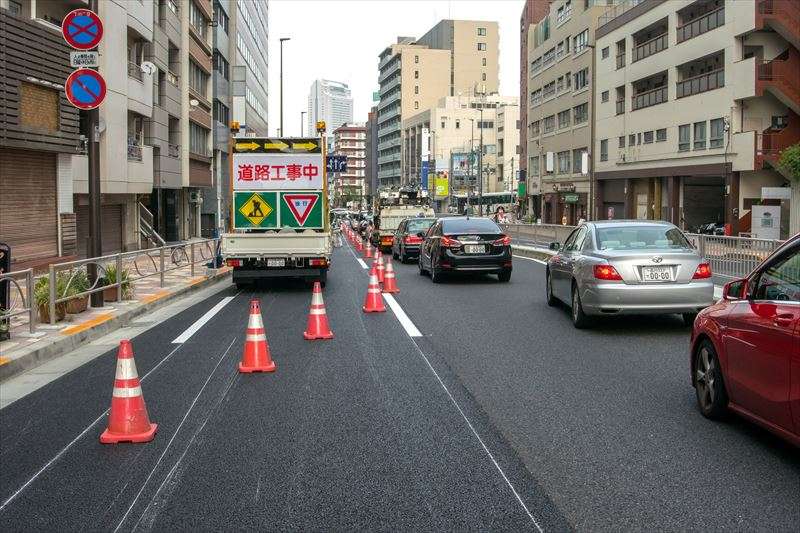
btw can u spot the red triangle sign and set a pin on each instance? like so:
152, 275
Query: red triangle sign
300, 205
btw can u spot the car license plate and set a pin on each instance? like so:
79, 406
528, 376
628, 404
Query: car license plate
276, 263
660, 273
474, 248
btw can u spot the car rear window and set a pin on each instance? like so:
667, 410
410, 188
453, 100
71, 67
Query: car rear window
641, 238
419, 224
470, 225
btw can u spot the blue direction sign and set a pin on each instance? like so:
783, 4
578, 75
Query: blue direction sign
336, 163
85, 88
82, 29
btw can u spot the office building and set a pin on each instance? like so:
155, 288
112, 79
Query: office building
506, 126
696, 100
350, 140
332, 102
371, 148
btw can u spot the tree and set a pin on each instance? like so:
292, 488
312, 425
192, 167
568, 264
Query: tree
790, 161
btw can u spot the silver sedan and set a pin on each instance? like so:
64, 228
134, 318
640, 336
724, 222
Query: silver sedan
628, 267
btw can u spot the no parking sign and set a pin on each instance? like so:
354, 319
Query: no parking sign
85, 88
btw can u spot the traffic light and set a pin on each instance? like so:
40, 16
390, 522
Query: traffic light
320, 126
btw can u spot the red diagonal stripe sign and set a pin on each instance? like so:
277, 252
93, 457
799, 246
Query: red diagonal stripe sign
300, 205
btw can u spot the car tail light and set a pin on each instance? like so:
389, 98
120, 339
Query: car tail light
703, 271
505, 240
412, 239
606, 272
317, 262
450, 243
233, 262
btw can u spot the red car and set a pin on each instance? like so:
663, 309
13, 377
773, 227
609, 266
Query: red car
746, 348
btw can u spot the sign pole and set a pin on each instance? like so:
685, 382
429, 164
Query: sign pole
95, 214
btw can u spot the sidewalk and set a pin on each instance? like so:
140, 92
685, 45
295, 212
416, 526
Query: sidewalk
25, 351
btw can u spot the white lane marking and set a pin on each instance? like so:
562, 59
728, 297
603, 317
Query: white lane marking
362, 263
531, 259
177, 430
200, 322
480, 440
402, 317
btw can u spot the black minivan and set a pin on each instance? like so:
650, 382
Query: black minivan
465, 244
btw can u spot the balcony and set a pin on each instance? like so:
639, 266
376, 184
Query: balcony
134, 146
781, 77
140, 90
700, 25
649, 98
771, 142
700, 84
783, 16
648, 48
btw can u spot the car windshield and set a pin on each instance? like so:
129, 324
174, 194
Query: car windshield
641, 238
419, 224
469, 225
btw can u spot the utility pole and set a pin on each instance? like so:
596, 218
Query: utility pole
301, 122
282, 39
480, 163
95, 213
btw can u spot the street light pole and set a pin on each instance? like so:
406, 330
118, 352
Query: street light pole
480, 164
301, 121
282, 39
95, 191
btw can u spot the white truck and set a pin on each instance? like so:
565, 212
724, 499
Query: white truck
280, 211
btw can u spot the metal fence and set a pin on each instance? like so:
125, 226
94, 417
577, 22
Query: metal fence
729, 257
116, 273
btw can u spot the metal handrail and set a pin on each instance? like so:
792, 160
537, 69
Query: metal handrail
694, 27
650, 47
695, 83
25, 297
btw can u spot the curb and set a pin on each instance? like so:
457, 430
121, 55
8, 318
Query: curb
60, 345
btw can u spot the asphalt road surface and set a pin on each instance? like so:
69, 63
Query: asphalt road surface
499, 416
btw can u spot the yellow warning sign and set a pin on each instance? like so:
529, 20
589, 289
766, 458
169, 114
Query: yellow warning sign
256, 209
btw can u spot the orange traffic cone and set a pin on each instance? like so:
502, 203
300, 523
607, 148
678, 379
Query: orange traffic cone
379, 265
368, 251
389, 279
318, 327
256, 356
373, 303
359, 246
127, 419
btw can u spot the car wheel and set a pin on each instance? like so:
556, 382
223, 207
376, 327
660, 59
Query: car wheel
551, 300
421, 270
394, 255
403, 258
712, 399
504, 276
436, 275
688, 319
579, 318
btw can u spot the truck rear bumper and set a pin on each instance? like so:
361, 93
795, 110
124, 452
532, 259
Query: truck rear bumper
243, 274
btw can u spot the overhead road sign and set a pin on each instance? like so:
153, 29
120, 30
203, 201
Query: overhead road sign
85, 88
336, 163
300, 145
82, 29
84, 59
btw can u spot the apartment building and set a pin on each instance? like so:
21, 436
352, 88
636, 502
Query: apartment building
506, 125
371, 148
332, 102
696, 99
560, 107
349, 187
453, 57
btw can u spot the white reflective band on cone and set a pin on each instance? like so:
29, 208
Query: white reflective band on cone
317, 312
255, 321
255, 338
126, 369
373, 291
127, 392
316, 299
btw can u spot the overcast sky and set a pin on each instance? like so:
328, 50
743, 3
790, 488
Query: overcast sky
341, 39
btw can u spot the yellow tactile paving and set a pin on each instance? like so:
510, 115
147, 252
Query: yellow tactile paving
154, 297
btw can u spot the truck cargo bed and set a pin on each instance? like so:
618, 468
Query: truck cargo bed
276, 244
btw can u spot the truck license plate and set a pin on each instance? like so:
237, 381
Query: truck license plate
660, 273
276, 263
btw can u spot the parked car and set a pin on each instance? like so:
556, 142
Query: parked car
407, 241
711, 229
745, 350
616, 267
465, 244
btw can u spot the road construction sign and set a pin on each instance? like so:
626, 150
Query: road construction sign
301, 210
293, 145
255, 210
277, 171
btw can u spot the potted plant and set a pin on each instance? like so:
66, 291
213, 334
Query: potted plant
5, 326
110, 280
78, 283
41, 296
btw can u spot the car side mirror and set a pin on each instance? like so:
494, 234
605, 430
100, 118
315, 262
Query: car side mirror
421, 234
555, 246
735, 290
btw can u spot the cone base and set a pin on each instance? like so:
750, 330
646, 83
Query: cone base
391, 291
250, 369
114, 438
364, 308
309, 337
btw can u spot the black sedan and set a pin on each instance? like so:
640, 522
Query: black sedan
407, 241
465, 244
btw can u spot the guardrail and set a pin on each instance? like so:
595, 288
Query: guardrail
21, 295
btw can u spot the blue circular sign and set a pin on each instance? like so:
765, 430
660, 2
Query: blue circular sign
85, 88
82, 29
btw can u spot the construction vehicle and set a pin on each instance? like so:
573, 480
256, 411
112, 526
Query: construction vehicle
395, 207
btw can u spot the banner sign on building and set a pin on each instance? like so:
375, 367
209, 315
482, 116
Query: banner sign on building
442, 185
423, 174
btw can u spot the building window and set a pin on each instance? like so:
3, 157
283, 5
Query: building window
683, 138
639, 138
535, 128
416, 89
577, 160
416, 104
604, 96
604, 52
198, 20
221, 65
582, 79
416, 74
198, 79
198, 139
482, 47
568, 80
699, 135
622, 141
535, 165
580, 41
648, 137
38, 108
483, 61
222, 113
221, 18
717, 134
581, 113
661, 135
632, 139
549, 123
443, 124
604, 150
481, 32
563, 162
416, 59
563, 119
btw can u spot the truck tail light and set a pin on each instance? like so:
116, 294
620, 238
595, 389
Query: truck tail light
318, 262
450, 242
703, 271
606, 272
233, 262
505, 240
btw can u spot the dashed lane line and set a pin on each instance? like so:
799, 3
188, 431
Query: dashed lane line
401, 316
200, 322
